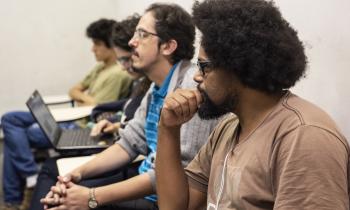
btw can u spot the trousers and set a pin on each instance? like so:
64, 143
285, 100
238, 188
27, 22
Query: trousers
21, 135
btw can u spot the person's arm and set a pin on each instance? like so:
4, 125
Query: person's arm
128, 147
172, 185
78, 196
131, 144
112, 158
136, 187
78, 95
104, 126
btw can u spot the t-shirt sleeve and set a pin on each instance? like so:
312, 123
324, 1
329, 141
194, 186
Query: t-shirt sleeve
309, 170
198, 170
86, 82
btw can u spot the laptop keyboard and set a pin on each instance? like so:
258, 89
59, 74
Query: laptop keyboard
79, 137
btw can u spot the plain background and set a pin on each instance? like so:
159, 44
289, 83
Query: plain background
43, 46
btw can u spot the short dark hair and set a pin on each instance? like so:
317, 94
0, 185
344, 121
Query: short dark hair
173, 22
124, 31
101, 30
251, 39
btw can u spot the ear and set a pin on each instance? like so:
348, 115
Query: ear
169, 47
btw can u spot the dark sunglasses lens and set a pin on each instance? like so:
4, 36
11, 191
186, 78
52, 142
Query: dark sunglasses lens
201, 66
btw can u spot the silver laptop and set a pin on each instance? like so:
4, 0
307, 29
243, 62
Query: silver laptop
61, 139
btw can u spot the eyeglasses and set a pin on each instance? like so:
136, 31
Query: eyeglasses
203, 66
141, 34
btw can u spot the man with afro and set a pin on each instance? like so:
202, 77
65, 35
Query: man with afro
278, 151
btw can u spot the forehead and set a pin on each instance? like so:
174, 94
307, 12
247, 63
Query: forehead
147, 22
202, 55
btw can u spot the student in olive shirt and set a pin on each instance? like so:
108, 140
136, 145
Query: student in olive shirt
107, 82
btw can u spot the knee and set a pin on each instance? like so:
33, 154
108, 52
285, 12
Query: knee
7, 118
16, 118
34, 131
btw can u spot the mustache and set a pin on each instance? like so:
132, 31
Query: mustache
134, 52
202, 92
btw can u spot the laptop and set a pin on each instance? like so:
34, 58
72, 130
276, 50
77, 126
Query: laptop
61, 139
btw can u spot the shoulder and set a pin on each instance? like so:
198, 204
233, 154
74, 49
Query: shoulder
227, 123
117, 70
300, 113
297, 123
95, 69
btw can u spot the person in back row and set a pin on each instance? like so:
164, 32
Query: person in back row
278, 151
106, 82
162, 48
111, 116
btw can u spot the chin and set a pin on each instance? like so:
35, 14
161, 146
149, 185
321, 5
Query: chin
136, 65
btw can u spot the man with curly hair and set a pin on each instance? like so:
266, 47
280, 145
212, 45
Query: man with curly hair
162, 49
279, 151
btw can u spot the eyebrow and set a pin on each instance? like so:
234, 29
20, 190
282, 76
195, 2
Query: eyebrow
140, 28
145, 30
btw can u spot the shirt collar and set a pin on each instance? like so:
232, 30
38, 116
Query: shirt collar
163, 89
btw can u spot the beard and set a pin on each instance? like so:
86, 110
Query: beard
132, 69
209, 110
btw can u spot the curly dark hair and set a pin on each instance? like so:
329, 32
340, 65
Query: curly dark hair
173, 22
123, 32
101, 30
251, 39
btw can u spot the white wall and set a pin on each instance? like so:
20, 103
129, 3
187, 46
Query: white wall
324, 27
43, 46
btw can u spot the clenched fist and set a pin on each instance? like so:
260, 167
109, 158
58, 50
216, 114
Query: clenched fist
179, 107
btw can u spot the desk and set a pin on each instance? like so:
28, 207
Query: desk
58, 99
71, 113
66, 165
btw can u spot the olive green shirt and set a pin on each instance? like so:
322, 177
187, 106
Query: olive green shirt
107, 84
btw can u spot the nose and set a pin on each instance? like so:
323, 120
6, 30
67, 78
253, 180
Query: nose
133, 42
198, 77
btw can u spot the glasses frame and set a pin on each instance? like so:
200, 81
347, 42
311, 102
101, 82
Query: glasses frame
142, 34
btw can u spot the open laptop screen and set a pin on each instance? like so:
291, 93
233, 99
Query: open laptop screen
43, 116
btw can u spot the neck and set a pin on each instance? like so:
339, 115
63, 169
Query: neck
110, 61
158, 72
252, 109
